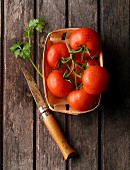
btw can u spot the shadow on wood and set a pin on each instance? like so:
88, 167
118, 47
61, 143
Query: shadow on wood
118, 91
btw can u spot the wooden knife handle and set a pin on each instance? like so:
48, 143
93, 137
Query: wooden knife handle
58, 136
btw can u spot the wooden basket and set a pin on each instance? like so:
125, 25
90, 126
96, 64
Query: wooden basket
55, 103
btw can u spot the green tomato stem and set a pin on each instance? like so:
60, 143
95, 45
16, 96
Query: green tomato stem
65, 61
80, 86
35, 67
74, 51
29, 40
75, 81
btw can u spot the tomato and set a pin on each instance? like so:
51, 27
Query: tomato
58, 85
80, 100
89, 62
55, 52
95, 80
87, 37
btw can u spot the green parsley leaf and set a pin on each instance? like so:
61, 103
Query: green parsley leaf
39, 27
29, 32
23, 49
37, 24
33, 23
25, 34
16, 46
17, 53
21, 54
27, 46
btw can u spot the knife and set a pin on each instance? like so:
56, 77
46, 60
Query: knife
48, 118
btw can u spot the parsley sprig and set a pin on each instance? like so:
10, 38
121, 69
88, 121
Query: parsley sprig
23, 49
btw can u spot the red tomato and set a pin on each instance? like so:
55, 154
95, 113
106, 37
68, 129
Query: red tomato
55, 52
89, 62
80, 100
87, 37
57, 85
95, 80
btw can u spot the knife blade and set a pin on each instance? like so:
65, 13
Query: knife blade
48, 118
34, 89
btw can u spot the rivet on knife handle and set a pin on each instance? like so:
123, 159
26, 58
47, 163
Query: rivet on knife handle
43, 111
57, 134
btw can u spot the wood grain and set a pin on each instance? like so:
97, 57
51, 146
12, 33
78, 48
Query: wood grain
115, 31
48, 154
18, 102
83, 130
27, 144
1, 83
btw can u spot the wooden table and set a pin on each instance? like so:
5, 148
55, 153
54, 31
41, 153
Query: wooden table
102, 137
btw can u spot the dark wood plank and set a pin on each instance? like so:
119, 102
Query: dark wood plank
115, 31
1, 84
48, 154
83, 129
18, 102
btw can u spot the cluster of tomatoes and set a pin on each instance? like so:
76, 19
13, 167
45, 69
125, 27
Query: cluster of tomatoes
75, 73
